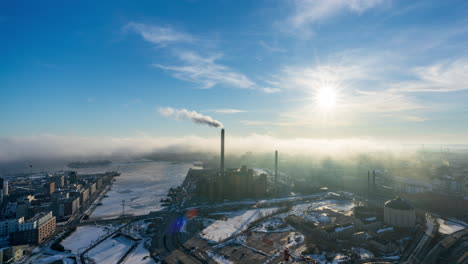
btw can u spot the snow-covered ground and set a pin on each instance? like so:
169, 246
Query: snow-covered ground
218, 259
111, 250
390, 228
317, 218
302, 210
84, 236
140, 255
337, 258
342, 228
273, 225
236, 222
450, 226
142, 184
363, 253
54, 258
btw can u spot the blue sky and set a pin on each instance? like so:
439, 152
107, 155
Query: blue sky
399, 69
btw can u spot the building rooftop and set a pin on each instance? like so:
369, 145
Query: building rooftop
399, 204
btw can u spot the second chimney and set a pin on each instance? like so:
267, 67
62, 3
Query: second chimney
276, 167
222, 154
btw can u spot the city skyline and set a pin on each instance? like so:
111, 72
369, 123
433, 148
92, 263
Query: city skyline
100, 77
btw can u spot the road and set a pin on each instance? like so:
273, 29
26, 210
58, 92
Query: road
418, 253
443, 245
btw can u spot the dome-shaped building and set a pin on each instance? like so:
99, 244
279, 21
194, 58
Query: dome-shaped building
399, 213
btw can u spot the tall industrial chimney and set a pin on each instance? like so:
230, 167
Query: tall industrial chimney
276, 168
368, 184
222, 155
373, 182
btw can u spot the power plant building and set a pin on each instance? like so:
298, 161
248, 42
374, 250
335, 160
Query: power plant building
232, 184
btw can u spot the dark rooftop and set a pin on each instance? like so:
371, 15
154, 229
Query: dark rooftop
399, 204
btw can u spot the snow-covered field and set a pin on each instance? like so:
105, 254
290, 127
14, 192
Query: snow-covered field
140, 255
111, 250
142, 184
273, 225
450, 226
302, 210
84, 236
236, 222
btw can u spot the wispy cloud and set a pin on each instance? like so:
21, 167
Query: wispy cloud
311, 11
270, 90
158, 35
184, 114
271, 48
447, 76
228, 111
207, 71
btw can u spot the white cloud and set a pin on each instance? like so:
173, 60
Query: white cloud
158, 35
311, 11
270, 90
207, 71
228, 111
445, 76
203, 70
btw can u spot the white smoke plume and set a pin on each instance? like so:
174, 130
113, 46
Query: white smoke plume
193, 116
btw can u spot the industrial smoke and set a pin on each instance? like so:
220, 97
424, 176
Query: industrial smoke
184, 114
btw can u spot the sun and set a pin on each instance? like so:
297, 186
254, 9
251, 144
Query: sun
326, 98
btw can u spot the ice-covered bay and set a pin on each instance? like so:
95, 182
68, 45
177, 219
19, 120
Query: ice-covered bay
142, 184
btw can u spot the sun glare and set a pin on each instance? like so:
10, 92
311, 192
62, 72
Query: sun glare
326, 98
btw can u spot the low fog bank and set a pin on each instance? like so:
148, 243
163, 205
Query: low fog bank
298, 156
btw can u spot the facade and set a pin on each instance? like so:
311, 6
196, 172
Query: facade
99, 183
448, 185
399, 213
22, 209
240, 182
92, 189
50, 187
237, 184
36, 230
72, 177
9, 226
407, 185
84, 196
59, 181
4, 186
71, 205
12, 254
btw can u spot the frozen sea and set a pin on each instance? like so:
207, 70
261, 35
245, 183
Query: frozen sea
141, 185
